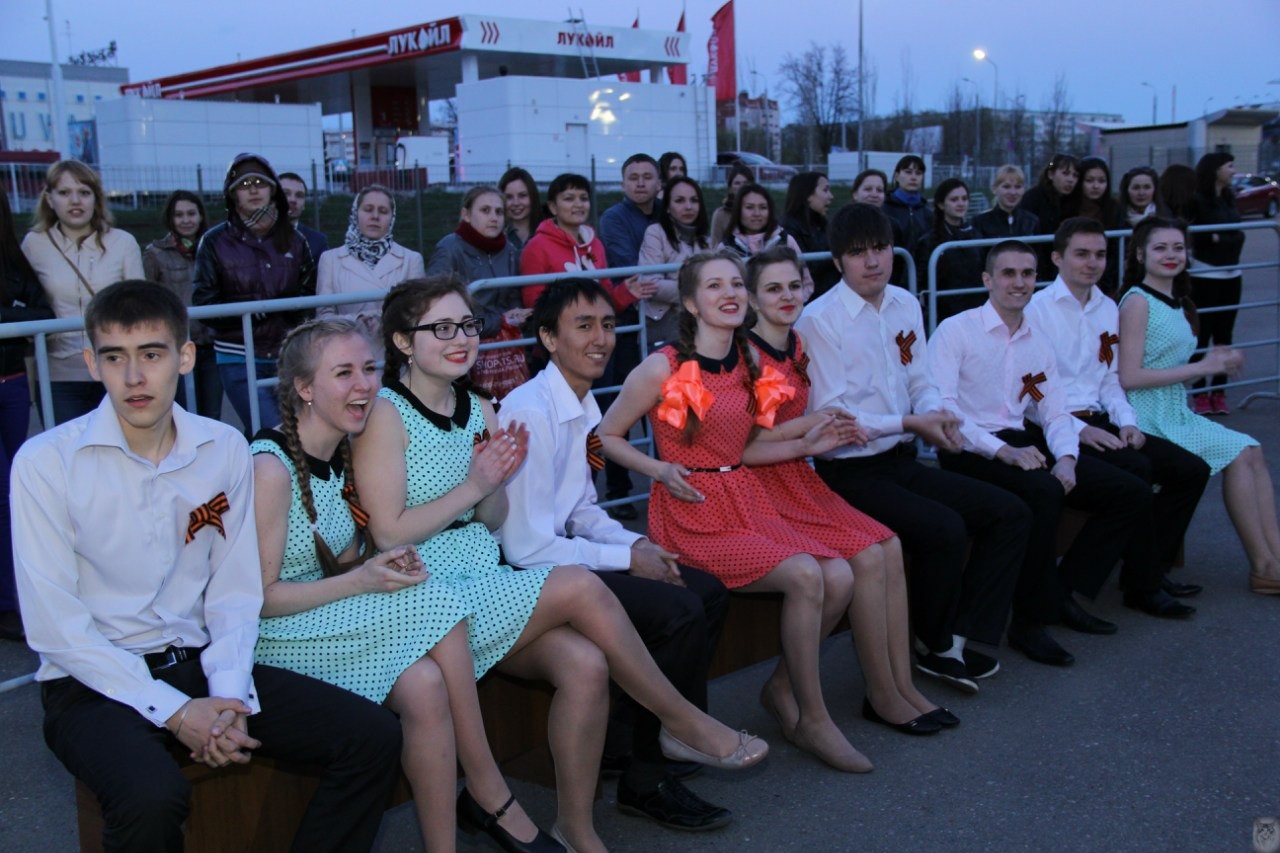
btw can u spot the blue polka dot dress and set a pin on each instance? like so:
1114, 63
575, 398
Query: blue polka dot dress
361, 643
1163, 411
463, 556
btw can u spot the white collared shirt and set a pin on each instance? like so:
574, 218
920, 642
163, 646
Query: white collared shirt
553, 519
105, 574
855, 363
980, 370
1074, 333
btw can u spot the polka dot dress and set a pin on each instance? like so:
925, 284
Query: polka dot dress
464, 556
1163, 411
736, 534
361, 643
798, 493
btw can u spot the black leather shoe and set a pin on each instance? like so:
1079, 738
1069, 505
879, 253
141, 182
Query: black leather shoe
944, 718
672, 805
1157, 603
947, 670
472, 819
1077, 618
979, 665
1034, 642
925, 724
1180, 590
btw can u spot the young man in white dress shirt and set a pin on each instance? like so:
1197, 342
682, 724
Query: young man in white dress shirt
137, 565
1081, 325
865, 341
553, 520
1019, 435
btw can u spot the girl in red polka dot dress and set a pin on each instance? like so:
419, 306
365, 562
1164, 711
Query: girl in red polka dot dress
703, 398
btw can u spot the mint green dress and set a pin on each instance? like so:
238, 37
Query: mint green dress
463, 556
1163, 411
361, 643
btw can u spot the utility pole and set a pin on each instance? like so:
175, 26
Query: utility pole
862, 104
59, 124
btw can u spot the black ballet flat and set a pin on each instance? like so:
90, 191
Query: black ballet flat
472, 819
943, 717
925, 724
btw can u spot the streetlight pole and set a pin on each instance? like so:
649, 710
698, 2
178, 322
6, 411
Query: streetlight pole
862, 114
982, 56
977, 126
1153, 101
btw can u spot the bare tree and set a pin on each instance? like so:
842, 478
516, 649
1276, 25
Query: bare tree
1059, 130
821, 87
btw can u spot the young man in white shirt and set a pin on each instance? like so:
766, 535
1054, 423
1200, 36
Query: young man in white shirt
1018, 434
1081, 326
137, 565
553, 520
865, 341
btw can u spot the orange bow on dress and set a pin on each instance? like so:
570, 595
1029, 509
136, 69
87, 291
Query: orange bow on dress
772, 391
683, 391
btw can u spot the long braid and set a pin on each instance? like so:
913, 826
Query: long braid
351, 495
302, 473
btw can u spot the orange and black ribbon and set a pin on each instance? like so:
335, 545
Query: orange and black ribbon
802, 367
1105, 352
595, 451
479, 438
1031, 385
904, 342
359, 514
209, 515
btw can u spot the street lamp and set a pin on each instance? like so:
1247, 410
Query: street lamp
1205, 109
977, 125
1153, 101
982, 56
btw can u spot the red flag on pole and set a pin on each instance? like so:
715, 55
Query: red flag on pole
632, 76
679, 74
721, 65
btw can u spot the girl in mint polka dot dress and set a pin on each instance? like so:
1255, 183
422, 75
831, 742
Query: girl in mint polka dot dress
1156, 341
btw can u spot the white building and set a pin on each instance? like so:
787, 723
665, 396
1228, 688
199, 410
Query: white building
26, 104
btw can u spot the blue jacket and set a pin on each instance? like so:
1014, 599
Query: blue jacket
622, 230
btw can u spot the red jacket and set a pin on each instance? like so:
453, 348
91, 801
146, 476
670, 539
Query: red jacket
550, 250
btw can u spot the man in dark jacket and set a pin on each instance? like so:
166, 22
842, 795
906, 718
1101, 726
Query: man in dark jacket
256, 254
295, 192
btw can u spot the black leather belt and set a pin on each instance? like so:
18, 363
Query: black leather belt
723, 469
172, 656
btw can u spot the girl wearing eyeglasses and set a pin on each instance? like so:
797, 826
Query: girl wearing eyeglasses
432, 463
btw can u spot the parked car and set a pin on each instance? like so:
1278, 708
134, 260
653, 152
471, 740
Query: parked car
764, 168
1256, 194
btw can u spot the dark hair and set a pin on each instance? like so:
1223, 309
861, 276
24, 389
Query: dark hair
779, 253
687, 325
1207, 177
906, 162
1104, 209
1058, 163
701, 225
869, 173
403, 307
562, 182
136, 302
1135, 270
515, 173
1005, 247
940, 194
1127, 178
858, 226
736, 168
172, 202
292, 176
803, 185
665, 161
299, 354
1178, 189
1072, 226
558, 296
282, 233
13, 263
641, 158
770, 225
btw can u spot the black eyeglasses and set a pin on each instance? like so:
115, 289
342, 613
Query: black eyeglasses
447, 330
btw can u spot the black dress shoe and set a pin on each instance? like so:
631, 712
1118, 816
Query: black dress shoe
924, 724
623, 512
1077, 618
1180, 590
944, 718
979, 665
672, 805
1034, 641
947, 670
472, 818
1157, 603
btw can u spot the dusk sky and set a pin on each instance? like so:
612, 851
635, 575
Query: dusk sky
1216, 54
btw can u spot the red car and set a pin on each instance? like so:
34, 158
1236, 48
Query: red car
1256, 194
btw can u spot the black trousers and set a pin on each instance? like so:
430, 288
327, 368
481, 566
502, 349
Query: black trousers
626, 356
1117, 500
1216, 328
1181, 477
935, 514
125, 760
680, 626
